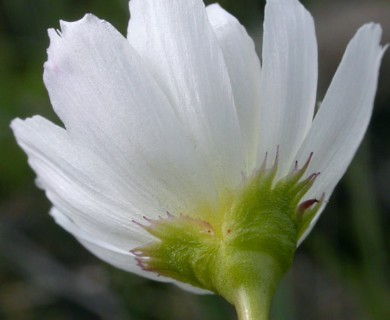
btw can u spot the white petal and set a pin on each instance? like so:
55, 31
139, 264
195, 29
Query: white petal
244, 72
343, 117
109, 102
175, 39
192, 289
92, 202
289, 79
113, 255
82, 186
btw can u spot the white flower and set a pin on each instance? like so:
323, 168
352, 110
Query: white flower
173, 116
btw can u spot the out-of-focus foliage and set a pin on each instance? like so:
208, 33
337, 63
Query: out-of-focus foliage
340, 272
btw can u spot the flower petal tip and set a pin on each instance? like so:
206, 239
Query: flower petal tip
19, 126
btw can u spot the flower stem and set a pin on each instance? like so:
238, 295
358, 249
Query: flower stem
248, 280
253, 305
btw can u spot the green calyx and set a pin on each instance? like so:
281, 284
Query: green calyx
242, 251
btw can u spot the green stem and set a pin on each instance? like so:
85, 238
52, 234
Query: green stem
253, 305
248, 280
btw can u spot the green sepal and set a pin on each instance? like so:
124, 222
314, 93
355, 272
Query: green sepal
248, 244
186, 248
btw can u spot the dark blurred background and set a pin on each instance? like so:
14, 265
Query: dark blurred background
341, 271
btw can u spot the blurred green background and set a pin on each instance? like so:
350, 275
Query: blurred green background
341, 271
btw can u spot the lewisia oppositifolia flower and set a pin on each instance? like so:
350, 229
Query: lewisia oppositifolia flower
186, 159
